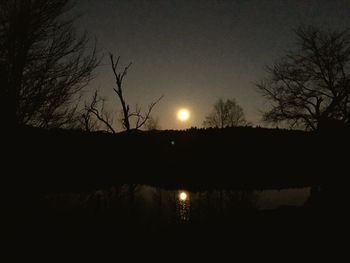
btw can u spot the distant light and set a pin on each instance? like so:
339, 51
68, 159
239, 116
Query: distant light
183, 196
183, 115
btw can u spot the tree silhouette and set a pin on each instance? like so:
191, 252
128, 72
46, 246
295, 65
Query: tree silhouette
140, 119
87, 122
225, 114
152, 124
310, 87
94, 112
43, 63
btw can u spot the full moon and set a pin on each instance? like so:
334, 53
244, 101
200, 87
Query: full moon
183, 115
183, 196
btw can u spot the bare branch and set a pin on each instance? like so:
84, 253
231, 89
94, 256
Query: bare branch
45, 64
119, 76
309, 86
140, 119
101, 115
225, 114
147, 115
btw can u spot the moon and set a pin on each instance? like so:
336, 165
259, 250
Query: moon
183, 115
183, 196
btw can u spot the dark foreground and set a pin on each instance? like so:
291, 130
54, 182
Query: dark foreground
196, 159
295, 233
54, 162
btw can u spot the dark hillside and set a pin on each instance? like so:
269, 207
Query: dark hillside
196, 158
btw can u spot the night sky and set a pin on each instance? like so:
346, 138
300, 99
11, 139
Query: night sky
194, 52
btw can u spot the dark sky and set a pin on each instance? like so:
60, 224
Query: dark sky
194, 52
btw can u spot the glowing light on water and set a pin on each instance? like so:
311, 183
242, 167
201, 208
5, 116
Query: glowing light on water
183, 206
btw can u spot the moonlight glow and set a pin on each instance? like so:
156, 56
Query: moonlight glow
183, 196
183, 115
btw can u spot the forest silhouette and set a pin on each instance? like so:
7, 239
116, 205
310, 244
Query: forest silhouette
59, 153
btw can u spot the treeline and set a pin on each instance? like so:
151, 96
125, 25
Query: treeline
236, 158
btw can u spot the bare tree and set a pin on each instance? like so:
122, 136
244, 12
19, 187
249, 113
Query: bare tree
310, 87
139, 118
225, 114
43, 63
88, 122
96, 108
152, 124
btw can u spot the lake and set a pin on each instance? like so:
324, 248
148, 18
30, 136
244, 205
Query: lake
147, 203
